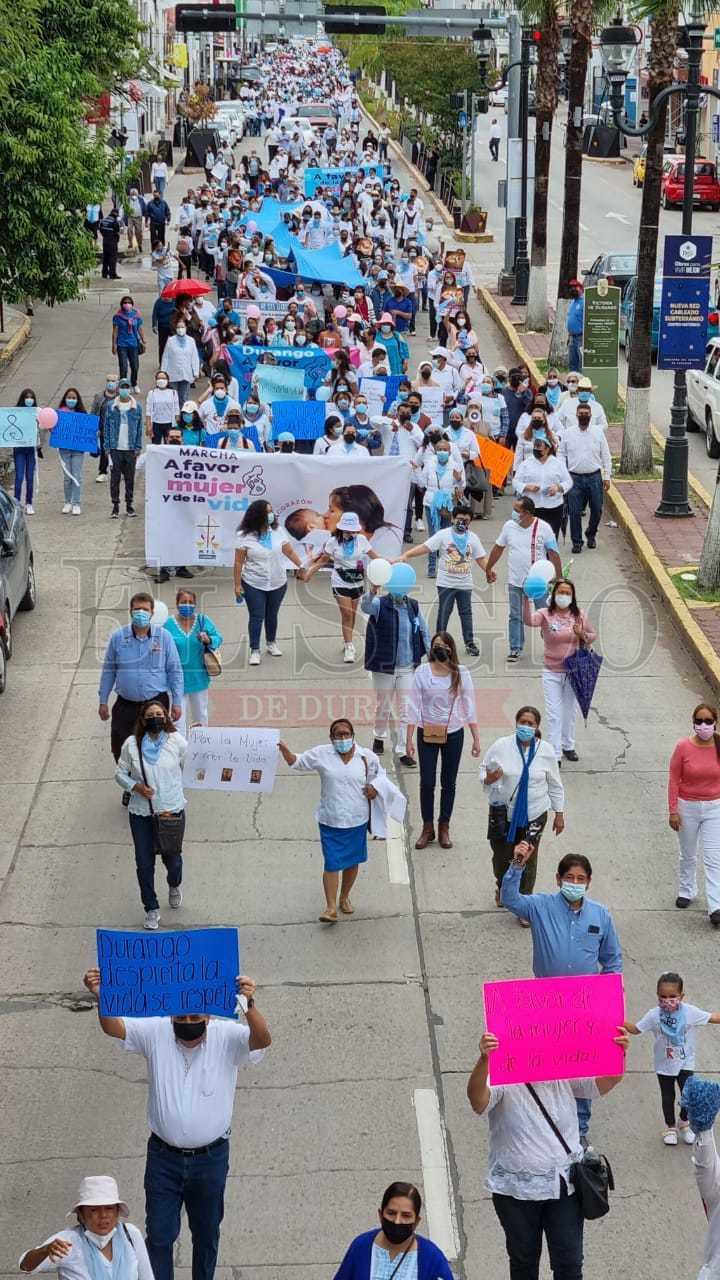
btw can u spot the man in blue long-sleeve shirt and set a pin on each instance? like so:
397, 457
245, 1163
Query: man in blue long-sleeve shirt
571, 933
141, 662
575, 320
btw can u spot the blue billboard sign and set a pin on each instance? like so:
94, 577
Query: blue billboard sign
685, 301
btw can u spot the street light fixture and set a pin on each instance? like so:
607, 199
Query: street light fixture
618, 44
566, 40
483, 43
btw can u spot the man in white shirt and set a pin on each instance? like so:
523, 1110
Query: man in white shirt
456, 549
529, 1171
571, 402
347, 447
192, 1065
494, 136
584, 449
528, 540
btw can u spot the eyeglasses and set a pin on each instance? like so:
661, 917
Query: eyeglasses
703, 720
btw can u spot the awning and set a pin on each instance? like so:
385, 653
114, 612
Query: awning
146, 90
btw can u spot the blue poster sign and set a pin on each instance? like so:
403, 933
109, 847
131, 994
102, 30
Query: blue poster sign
684, 303
77, 432
192, 971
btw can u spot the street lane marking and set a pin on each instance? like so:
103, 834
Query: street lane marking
439, 1199
395, 845
559, 208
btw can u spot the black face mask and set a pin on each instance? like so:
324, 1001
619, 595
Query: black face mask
189, 1031
438, 653
397, 1232
287, 448
539, 453
154, 724
349, 437
584, 422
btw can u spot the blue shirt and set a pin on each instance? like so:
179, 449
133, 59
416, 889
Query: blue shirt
404, 657
575, 316
128, 325
406, 306
138, 667
566, 943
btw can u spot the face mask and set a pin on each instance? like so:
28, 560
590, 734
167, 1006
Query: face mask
552, 382
299, 293
516, 516
220, 394
461, 526
442, 458
563, 602
300, 340
583, 396
343, 404
539, 454
572, 388
101, 1241
28, 402
669, 1004
187, 417
537, 423
252, 410
181, 331
349, 437
127, 306
583, 423
161, 383
704, 731
343, 745
397, 1232
233, 436
456, 425
271, 514
524, 732
189, 1031
186, 610
573, 892
439, 653
111, 388
386, 330
123, 393
71, 401
156, 724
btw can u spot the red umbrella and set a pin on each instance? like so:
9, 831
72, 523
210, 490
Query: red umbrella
185, 289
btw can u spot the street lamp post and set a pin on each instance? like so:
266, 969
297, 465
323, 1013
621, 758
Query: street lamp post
618, 45
522, 260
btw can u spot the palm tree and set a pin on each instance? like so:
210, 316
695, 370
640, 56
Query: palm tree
637, 442
546, 91
581, 21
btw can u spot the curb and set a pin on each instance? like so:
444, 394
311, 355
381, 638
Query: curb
695, 639
18, 339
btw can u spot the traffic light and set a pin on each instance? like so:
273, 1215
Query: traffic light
195, 17
338, 21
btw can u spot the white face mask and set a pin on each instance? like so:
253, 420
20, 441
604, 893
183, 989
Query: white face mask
563, 602
100, 1241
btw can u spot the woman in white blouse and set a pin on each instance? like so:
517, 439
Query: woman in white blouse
346, 773
100, 1245
522, 779
442, 702
544, 478
261, 574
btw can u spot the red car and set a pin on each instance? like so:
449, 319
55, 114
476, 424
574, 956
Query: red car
706, 188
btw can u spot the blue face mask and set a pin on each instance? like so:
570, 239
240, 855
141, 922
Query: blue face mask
233, 437
70, 401
573, 892
583, 396
343, 745
28, 401
402, 395
515, 515
524, 732
271, 517
141, 617
187, 417
186, 610
252, 410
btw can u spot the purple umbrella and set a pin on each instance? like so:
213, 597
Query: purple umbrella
583, 669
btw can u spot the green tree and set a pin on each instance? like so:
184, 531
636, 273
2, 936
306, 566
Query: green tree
103, 34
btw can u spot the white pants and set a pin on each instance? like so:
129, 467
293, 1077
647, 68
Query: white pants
391, 693
560, 711
195, 710
700, 825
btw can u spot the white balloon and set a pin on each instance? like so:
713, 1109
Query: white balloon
160, 613
379, 572
543, 569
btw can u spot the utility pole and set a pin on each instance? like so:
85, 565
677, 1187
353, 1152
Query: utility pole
506, 282
522, 260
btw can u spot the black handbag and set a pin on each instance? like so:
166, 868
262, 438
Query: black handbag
169, 828
498, 824
592, 1177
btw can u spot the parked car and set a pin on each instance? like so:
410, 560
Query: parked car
627, 312
17, 574
616, 268
638, 174
706, 188
703, 396
232, 113
303, 127
499, 96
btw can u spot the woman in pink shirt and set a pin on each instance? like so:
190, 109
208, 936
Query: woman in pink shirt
694, 804
564, 627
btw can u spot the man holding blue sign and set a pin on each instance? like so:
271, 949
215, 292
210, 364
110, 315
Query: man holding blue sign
192, 1063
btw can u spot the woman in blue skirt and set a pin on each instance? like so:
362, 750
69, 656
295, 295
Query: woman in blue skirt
346, 777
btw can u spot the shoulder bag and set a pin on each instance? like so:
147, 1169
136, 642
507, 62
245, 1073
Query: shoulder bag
169, 828
212, 658
591, 1177
438, 733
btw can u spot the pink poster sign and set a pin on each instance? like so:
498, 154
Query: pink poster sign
555, 1028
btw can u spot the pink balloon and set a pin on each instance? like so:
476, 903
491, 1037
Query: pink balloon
47, 419
253, 313
340, 313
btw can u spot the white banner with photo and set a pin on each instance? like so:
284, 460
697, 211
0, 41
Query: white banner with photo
195, 499
231, 759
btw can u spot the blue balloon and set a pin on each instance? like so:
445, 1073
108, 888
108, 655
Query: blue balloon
401, 580
535, 588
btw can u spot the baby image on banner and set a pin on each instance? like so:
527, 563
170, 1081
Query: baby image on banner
231, 759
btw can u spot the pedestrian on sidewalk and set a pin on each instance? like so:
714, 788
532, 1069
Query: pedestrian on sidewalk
347, 773
25, 458
528, 540
128, 343
546, 479
100, 1240
442, 703
157, 216
123, 441
109, 228
396, 640
192, 1065
135, 216
195, 634
694, 805
102, 401
72, 460
162, 409
564, 627
150, 771
494, 139
575, 315
384, 1252
522, 781
260, 574
159, 175
456, 549
141, 664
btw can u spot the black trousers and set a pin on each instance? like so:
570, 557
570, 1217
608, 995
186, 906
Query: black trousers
450, 753
157, 233
123, 718
667, 1095
123, 465
109, 259
526, 1221
552, 516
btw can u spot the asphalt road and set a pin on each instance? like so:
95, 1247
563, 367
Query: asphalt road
375, 1021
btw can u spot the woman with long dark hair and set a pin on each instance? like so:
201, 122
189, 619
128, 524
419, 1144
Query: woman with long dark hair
24, 457
71, 460
442, 703
694, 804
260, 574
544, 478
564, 627
395, 1250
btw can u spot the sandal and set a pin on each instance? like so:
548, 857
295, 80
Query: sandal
346, 906
328, 917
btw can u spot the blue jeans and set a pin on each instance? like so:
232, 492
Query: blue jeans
24, 460
263, 608
584, 1111
72, 461
586, 489
516, 626
434, 524
575, 352
447, 597
197, 1182
183, 391
160, 184
129, 358
143, 834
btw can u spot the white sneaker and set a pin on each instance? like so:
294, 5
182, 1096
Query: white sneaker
29, 509
349, 653
152, 919
76, 510
274, 650
175, 898
687, 1134
670, 1138
254, 658
420, 525
100, 479
67, 509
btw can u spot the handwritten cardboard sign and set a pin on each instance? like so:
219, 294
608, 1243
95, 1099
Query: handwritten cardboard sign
77, 432
149, 976
18, 428
555, 1028
231, 759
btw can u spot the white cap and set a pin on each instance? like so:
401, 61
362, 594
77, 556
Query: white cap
349, 523
98, 1189
440, 351
189, 406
